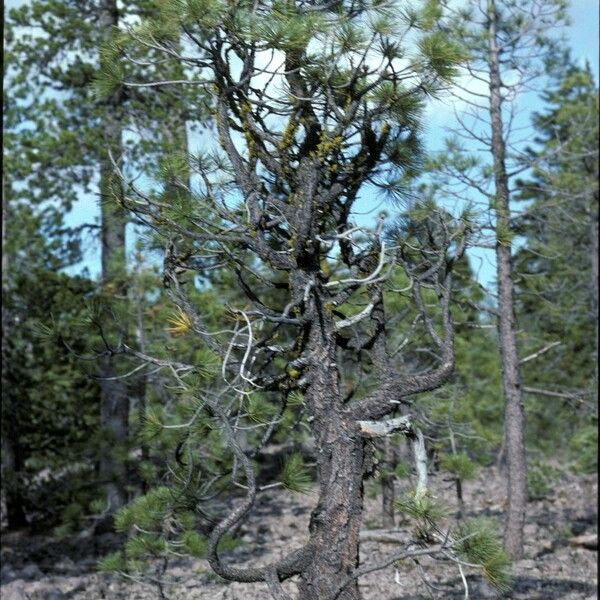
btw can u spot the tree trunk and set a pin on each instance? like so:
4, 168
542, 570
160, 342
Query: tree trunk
12, 459
336, 520
594, 292
114, 398
141, 380
459, 496
387, 484
514, 417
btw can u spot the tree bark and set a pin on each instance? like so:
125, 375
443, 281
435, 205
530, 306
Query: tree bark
387, 484
336, 520
594, 292
12, 456
114, 398
514, 418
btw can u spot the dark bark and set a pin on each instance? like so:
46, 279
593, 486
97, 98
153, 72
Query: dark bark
12, 456
114, 398
141, 382
594, 292
514, 418
12, 465
335, 522
387, 484
459, 496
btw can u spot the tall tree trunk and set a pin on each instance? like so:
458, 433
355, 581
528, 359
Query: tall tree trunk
12, 456
335, 522
387, 484
594, 292
514, 417
458, 482
114, 398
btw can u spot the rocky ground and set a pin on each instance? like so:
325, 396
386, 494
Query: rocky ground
560, 554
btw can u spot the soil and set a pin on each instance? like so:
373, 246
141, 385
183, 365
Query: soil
555, 565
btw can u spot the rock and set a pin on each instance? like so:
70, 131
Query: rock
530, 530
47, 593
55, 594
582, 522
545, 547
528, 564
7, 574
31, 572
480, 588
589, 541
65, 565
14, 591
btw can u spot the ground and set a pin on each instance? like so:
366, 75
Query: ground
554, 567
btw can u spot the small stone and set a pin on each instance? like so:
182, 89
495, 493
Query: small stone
480, 588
7, 574
545, 547
14, 591
590, 542
528, 564
77, 583
31, 573
51, 593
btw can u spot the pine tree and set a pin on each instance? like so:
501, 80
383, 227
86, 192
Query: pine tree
508, 44
310, 103
557, 291
68, 138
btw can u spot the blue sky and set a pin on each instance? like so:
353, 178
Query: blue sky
582, 36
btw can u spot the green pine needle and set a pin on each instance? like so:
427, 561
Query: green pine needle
481, 544
295, 476
146, 511
45, 332
151, 425
195, 544
143, 545
111, 563
423, 507
459, 465
260, 410
295, 398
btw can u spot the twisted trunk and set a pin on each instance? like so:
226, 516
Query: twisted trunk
335, 522
514, 418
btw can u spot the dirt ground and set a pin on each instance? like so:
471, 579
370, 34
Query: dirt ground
554, 568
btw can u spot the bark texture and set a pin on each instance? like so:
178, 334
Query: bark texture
594, 260
335, 522
114, 398
12, 459
514, 418
388, 495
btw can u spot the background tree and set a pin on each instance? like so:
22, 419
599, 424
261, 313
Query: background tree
48, 404
64, 131
557, 293
508, 43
